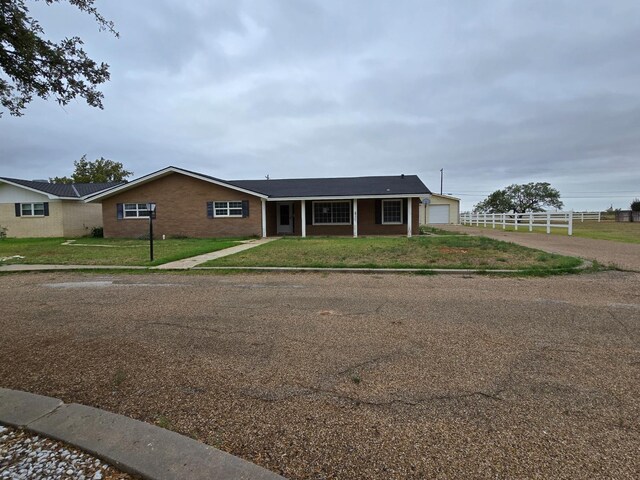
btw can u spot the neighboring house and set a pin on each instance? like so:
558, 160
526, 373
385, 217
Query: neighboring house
440, 209
38, 208
197, 205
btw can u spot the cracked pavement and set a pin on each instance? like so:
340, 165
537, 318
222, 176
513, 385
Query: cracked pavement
347, 375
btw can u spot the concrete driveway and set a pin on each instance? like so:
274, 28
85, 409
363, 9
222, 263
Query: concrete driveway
348, 376
625, 256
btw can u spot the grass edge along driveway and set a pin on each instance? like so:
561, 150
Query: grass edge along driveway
107, 251
459, 251
624, 232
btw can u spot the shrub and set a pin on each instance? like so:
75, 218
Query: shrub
635, 205
97, 232
3, 232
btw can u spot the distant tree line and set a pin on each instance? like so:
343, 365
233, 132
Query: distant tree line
529, 197
101, 170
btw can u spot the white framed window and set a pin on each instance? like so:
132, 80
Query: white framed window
227, 209
135, 210
32, 209
332, 212
391, 212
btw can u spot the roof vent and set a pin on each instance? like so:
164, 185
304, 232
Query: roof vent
402, 175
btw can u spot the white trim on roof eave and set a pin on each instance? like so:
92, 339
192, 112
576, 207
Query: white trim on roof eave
450, 197
161, 173
50, 196
346, 197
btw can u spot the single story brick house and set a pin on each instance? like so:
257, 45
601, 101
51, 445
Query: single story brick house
196, 205
37, 208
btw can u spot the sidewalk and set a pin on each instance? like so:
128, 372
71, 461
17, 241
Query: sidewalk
187, 263
129, 445
625, 256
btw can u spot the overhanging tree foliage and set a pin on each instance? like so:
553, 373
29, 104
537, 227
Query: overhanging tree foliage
32, 65
529, 197
101, 170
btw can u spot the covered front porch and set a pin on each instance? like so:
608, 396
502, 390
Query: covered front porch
340, 216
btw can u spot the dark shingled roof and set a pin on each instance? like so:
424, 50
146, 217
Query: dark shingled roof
71, 190
336, 187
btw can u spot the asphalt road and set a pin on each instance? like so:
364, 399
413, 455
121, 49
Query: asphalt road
346, 375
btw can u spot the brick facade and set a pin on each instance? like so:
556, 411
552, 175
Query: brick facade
181, 210
181, 206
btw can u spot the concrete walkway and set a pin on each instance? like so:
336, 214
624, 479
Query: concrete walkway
130, 445
625, 256
187, 263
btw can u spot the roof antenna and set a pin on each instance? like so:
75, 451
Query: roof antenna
267, 176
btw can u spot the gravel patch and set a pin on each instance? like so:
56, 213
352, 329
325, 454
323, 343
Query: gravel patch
349, 376
27, 456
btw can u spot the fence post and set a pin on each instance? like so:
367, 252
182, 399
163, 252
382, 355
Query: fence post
599, 214
493, 220
515, 221
582, 217
484, 219
548, 222
570, 223
531, 221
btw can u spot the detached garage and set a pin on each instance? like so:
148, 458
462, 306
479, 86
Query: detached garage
440, 209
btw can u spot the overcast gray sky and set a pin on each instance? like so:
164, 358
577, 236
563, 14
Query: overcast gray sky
495, 92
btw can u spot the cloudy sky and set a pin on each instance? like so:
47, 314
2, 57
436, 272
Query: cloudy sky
495, 92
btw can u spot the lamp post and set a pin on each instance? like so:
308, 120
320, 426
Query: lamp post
151, 207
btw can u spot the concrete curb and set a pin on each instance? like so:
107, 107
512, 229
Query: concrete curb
23, 267
130, 445
358, 270
54, 268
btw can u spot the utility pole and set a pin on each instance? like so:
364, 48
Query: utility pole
441, 177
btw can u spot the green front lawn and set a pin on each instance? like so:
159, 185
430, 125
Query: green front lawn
628, 232
106, 251
399, 252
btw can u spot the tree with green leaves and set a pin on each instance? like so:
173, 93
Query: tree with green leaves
635, 205
33, 65
529, 197
101, 170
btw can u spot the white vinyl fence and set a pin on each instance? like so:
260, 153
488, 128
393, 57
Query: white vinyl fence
547, 220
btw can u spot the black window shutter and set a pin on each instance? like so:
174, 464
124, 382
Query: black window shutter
404, 211
209, 209
18, 211
309, 212
245, 208
120, 211
378, 210
46, 209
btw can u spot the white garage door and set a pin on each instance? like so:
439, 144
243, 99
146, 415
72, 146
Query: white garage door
438, 213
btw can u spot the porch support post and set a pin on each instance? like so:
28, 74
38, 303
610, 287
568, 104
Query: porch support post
303, 214
409, 216
264, 217
355, 218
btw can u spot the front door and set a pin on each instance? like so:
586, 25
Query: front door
285, 217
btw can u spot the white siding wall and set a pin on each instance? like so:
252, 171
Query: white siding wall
12, 194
